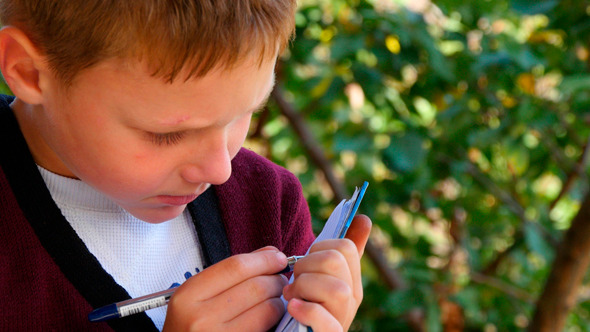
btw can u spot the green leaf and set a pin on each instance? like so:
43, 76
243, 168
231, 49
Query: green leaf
575, 83
535, 241
371, 80
406, 153
344, 46
403, 301
352, 143
433, 317
533, 7
492, 60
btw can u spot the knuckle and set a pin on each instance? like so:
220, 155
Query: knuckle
194, 325
332, 265
237, 265
333, 259
264, 287
341, 291
332, 254
270, 258
347, 247
178, 301
258, 287
174, 300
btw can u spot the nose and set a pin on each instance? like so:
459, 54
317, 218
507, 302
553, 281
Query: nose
210, 161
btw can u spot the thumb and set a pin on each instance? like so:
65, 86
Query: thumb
359, 231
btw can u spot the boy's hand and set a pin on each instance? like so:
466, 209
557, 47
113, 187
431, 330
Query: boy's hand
240, 293
327, 290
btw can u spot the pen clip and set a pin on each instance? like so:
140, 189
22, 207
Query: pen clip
290, 264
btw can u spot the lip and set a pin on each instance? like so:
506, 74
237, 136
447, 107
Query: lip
176, 200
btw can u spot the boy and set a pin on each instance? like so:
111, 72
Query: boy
122, 171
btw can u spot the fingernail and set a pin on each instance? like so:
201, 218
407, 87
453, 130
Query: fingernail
265, 248
295, 302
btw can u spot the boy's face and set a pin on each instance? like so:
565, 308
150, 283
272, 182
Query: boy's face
152, 147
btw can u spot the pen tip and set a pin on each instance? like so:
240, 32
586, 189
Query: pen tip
104, 313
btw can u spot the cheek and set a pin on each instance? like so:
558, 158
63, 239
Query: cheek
123, 163
125, 177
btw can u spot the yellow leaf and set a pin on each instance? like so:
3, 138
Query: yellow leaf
509, 101
526, 82
320, 89
392, 44
326, 35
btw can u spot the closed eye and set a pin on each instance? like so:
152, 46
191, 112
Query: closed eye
166, 138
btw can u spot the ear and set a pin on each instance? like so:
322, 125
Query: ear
20, 62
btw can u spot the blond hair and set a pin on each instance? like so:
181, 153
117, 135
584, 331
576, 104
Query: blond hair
172, 36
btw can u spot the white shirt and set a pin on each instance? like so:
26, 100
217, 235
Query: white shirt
143, 258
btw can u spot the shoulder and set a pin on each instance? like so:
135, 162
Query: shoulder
262, 204
251, 168
249, 163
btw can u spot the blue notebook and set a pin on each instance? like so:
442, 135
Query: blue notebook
335, 228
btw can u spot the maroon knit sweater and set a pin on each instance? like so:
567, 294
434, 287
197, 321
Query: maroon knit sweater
49, 280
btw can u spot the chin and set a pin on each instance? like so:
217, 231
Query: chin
158, 215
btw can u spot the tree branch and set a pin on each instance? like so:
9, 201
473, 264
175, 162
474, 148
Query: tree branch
509, 201
491, 268
576, 172
502, 286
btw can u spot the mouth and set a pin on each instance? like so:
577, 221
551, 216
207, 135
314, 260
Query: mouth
179, 200
176, 200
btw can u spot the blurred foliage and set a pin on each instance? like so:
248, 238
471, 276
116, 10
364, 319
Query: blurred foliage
470, 121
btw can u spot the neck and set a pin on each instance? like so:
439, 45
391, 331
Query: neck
31, 122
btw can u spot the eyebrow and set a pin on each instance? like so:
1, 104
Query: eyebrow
173, 122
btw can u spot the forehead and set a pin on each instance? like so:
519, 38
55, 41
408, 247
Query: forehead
218, 97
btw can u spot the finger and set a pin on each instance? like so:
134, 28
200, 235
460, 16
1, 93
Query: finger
359, 231
325, 258
230, 272
261, 317
246, 295
349, 251
314, 316
244, 300
330, 292
266, 248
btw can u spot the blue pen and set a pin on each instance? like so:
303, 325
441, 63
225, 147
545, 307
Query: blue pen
151, 301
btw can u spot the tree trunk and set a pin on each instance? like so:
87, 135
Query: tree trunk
570, 265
